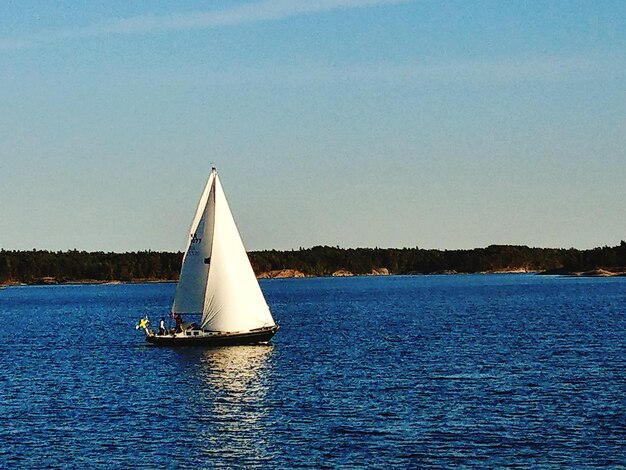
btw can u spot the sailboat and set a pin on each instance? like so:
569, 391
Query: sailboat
217, 284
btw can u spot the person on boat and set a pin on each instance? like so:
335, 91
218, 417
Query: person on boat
179, 322
162, 326
143, 325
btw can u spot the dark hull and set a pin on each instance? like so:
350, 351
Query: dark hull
226, 339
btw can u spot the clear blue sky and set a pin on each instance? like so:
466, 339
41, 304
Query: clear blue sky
439, 124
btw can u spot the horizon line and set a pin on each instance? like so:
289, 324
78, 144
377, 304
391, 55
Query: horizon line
322, 246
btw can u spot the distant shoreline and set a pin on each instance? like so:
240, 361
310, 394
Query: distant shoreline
596, 273
41, 267
84, 282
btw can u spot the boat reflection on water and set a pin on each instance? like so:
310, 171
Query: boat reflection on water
234, 383
237, 370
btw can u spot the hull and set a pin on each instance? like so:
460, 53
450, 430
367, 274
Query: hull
261, 335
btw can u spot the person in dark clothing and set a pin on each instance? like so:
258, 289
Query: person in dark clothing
179, 322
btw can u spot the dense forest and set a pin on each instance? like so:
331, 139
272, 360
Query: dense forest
324, 260
40, 266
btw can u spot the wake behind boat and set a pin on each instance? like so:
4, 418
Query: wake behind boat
217, 283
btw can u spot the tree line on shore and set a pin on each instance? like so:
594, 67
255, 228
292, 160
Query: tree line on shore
42, 266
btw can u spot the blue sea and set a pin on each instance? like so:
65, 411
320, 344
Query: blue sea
477, 371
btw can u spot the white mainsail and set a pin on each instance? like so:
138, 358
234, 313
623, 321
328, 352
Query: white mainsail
216, 278
194, 273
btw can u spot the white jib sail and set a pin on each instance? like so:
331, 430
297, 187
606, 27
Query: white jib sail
216, 278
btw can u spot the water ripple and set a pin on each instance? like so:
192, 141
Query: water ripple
409, 372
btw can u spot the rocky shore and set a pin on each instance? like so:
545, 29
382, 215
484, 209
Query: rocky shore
598, 272
280, 274
292, 273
